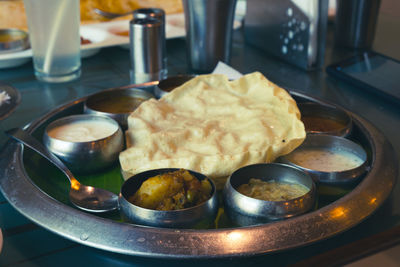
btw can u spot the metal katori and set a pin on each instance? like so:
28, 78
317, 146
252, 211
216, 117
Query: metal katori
147, 52
325, 119
116, 103
13, 40
331, 144
245, 210
199, 216
88, 156
87, 198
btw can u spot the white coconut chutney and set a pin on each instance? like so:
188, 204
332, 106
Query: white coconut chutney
83, 131
325, 160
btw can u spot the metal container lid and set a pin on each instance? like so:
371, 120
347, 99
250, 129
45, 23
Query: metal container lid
144, 13
147, 37
12, 40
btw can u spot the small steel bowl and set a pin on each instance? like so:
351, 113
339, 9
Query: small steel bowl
244, 210
200, 216
13, 40
166, 86
323, 119
88, 156
334, 144
116, 103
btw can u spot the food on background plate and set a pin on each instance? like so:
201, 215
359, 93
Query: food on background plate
6, 37
85, 41
120, 33
272, 190
172, 191
12, 15
12, 12
123, 6
213, 126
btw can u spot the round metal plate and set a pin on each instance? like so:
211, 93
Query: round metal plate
130, 239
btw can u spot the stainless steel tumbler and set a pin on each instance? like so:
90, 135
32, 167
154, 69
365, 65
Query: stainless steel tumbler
356, 22
147, 37
208, 26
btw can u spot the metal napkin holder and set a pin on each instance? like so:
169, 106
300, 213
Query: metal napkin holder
292, 30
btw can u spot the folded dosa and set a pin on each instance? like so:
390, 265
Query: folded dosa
213, 126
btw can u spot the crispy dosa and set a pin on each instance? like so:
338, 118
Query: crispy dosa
213, 126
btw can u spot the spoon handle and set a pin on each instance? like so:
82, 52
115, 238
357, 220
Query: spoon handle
28, 140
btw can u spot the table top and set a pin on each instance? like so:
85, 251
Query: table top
26, 244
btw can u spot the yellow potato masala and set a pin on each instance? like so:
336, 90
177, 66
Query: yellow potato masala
172, 191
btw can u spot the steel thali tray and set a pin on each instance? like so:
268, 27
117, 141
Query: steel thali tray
34, 202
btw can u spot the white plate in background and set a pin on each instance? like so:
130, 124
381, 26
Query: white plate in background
101, 35
104, 34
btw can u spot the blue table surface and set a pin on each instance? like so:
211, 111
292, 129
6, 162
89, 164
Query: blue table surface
26, 244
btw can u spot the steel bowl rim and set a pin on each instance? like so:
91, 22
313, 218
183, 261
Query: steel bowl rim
313, 186
146, 95
339, 138
341, 177
214, 190
207, 208
342, 132
15, 45
232, 197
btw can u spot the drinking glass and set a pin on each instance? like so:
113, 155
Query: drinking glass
55, 40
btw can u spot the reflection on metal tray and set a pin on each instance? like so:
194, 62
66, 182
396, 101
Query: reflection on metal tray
111, 234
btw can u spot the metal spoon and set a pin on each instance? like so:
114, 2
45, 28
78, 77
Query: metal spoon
85, 197
111, 15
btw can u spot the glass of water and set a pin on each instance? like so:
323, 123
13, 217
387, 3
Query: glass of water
55, 40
